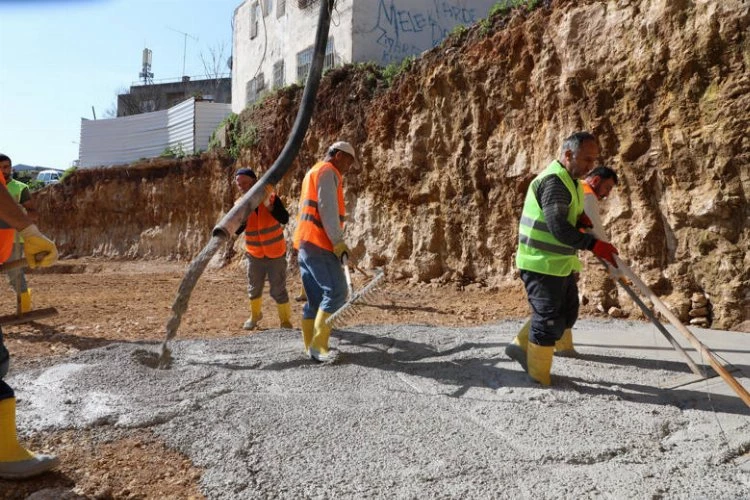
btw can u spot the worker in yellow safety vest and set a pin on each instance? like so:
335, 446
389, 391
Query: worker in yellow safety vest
548, 241
265, 250
319, 239
596, 187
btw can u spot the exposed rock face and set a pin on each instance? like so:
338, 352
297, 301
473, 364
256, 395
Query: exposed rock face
449, 149
160, 208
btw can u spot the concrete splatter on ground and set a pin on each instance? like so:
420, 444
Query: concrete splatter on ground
418, 411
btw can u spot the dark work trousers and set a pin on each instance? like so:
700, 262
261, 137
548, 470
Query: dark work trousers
554, 305
5, 391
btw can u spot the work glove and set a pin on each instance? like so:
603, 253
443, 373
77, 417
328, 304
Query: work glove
584, 222
36, 244
605, 251
340, 249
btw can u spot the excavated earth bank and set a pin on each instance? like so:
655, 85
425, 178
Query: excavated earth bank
448, 150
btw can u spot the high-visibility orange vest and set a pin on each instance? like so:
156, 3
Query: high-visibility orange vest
7, 235
309, 224
264, 236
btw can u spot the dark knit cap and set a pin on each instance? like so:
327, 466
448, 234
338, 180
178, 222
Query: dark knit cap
247, 171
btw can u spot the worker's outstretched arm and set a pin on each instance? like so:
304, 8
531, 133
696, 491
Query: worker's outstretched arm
39, 250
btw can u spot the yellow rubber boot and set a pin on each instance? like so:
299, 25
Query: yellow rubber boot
16, 462
255, 314
285, 315
25, 301
564, 347
319, 346
308, 330
516, 350
539, 359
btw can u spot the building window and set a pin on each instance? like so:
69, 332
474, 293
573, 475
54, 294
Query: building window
254, 19
266, 7
304, 60
303, 4
280, 8
147, 106
278, 74
330, 58
254, 89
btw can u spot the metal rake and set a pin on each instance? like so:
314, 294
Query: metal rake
367, 293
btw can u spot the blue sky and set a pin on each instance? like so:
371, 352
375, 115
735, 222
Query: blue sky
58, 58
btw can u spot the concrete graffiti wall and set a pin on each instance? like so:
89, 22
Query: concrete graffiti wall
387, 31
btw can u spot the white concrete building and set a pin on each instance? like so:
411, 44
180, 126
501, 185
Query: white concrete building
273, 39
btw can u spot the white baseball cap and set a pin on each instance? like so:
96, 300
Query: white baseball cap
346, 148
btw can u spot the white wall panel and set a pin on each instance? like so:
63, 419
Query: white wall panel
127, 139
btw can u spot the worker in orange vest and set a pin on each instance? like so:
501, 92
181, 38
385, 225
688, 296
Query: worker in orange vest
16, 462
22, 195
265, 250
319, 239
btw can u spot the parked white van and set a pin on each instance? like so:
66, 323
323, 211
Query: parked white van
49, 176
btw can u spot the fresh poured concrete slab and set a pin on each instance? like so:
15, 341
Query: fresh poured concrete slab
420, 411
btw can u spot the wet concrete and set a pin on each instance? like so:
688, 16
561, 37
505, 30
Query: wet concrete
420, 411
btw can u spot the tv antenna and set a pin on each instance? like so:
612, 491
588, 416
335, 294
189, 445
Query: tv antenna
184, 45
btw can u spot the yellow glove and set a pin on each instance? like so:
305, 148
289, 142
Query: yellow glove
340, 249
36, 243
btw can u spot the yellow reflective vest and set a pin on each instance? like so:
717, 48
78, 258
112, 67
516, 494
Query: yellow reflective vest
538, 249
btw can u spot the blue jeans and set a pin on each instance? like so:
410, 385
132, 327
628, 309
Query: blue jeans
554, 305
5, 390
323, 279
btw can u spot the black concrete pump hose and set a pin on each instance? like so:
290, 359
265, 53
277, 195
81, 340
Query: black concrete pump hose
250, 200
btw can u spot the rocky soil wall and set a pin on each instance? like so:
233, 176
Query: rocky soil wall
448, 150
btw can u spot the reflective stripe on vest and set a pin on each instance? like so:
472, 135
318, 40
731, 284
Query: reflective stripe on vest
538, 249
264, 236
309, 224
7, 235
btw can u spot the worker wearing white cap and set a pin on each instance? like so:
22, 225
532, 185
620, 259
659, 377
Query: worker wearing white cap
319, 239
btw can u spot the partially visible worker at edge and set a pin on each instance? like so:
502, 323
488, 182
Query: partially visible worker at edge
265, 250
548, 241
319, 239
16, 462
22, 195
596, 187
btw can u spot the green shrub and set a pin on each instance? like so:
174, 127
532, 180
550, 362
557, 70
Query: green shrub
239, 136
68, 172
173, 152
391, 71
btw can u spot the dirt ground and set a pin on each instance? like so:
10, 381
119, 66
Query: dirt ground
101, 302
